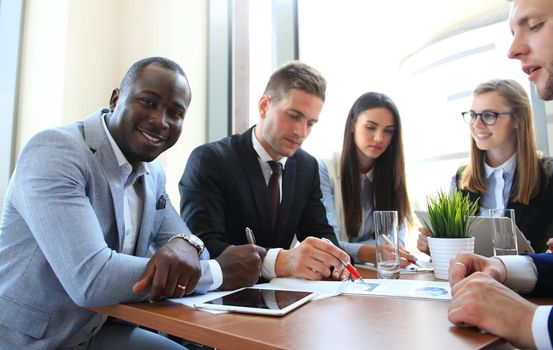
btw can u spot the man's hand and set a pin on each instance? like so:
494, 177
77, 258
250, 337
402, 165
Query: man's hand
313, 259
483, 302
465, 264
422, 241
173, 271
241, 265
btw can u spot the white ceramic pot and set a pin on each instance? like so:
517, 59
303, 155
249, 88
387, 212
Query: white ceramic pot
442, 250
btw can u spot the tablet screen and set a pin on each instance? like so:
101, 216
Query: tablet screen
261, 298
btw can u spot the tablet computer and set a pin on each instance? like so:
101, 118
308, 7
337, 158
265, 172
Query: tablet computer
482, 230
272, 302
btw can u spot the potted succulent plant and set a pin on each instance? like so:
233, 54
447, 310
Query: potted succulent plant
451, 218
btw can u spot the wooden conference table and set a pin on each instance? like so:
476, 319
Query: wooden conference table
341, 322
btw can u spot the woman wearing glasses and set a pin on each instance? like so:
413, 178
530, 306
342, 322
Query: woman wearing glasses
505, 169
369, 175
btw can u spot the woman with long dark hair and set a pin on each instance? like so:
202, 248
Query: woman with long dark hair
369, 175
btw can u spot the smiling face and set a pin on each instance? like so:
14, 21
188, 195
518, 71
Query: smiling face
531, 23
284, 124
148, 114
498, 140
373, 131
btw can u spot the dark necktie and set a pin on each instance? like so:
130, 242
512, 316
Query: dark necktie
274, 190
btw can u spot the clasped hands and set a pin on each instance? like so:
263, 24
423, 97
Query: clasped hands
480, 299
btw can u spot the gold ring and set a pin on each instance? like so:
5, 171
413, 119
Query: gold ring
181, 286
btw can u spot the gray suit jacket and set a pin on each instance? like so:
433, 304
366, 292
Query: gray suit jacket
61, 233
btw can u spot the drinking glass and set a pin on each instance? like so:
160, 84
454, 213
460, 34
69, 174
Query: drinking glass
387, 247
504, 232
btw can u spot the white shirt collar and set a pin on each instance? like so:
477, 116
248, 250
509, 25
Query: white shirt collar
121, 159
508, 167
369, 174
262, 153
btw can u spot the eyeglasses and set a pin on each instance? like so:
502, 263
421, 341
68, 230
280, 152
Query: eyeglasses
488, 117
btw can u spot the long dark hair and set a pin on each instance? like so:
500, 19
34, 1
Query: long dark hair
390, 190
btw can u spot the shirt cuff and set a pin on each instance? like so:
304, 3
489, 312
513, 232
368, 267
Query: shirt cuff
268, 271
540, 328
216, 273
522, 274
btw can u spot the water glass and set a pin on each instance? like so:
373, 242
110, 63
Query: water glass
504, 232
387, 247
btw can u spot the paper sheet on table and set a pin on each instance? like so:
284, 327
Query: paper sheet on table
401, 288
197, 299
378, 287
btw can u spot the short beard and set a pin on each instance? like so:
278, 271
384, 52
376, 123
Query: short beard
547, 93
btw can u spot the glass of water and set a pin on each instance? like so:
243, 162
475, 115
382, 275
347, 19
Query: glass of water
387, 247
504, 232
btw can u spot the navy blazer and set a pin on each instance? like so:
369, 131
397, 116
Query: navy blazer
223, 192
544, 264
544, 284
535, 219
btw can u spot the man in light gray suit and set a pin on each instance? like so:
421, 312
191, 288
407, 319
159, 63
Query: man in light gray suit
84, 206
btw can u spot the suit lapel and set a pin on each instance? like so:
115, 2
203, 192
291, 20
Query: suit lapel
148, 214
256, 181
98, 143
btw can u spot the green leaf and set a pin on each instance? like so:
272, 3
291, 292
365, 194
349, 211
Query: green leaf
451, 215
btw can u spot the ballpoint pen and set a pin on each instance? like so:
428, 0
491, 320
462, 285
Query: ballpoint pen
352, 270
249, 236
410, 261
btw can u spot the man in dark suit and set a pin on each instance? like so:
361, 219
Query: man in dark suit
234, 184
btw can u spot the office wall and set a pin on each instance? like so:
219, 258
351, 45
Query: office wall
75, 52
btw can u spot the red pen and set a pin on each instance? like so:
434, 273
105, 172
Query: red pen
412, 261
354, 274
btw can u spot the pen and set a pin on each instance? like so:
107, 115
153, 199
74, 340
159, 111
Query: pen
352, 270
410, 261
249, 236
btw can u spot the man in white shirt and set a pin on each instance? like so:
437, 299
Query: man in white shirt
480, 286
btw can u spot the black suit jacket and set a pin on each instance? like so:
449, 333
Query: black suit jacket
223, 192
535, 220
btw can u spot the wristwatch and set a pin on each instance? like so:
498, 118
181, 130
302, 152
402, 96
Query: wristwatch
192, 240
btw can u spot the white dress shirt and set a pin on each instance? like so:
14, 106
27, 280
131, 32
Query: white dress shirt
268, 270
133, 206
498, 181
